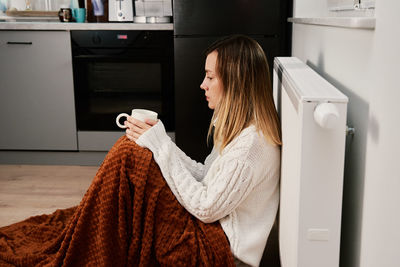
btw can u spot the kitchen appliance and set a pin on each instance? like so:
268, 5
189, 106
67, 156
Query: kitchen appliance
120, 10
117, 71
96, 10
153, 11
196, 25
65, 14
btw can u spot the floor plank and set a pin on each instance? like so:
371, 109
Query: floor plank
27, 190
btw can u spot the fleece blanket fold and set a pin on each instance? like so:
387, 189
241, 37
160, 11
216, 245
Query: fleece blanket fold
128, 217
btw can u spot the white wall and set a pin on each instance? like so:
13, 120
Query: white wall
307, 8
365, 65
37, 4
18, 4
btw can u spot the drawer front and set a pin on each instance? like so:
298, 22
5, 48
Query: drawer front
37, 109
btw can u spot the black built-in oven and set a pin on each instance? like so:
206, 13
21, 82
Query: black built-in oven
116, 71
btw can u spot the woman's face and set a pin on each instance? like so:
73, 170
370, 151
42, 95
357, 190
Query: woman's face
211, 83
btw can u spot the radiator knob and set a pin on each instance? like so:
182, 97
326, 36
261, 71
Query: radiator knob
326, 115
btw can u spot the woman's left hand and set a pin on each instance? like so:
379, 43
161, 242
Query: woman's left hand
136, 127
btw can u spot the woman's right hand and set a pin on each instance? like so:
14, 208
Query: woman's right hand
135, 128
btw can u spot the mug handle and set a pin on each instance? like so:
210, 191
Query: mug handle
119, 117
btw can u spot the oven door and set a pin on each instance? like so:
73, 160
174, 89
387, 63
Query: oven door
106, 85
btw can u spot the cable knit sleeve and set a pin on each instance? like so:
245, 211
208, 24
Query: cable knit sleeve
156, 135
195, 168
228, 182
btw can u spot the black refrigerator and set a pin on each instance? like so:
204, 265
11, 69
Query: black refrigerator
198, 23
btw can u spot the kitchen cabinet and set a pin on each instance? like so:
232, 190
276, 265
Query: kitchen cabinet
36, 91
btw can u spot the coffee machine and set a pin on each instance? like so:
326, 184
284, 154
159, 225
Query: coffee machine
153, 11
120, 10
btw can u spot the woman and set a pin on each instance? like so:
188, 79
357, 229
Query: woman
238, 184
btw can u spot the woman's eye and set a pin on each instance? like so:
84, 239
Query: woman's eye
210, 78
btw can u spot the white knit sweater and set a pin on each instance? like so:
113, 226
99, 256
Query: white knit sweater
239, 187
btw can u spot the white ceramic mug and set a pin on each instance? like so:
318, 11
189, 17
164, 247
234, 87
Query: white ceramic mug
139, 114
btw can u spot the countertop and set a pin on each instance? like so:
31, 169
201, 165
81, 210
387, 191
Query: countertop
345, 22
66, 26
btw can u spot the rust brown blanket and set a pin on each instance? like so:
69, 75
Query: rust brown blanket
128, 217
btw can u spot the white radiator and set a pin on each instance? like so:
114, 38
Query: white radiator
313, 118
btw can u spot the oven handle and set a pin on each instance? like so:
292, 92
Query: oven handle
94, 56
109, 57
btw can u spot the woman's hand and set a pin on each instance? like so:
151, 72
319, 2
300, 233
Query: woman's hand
136, 127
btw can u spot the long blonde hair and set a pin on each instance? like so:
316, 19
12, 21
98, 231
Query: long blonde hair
247, 93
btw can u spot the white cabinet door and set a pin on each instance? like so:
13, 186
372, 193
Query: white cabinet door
37, 109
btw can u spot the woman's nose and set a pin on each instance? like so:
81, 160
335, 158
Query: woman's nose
203, 86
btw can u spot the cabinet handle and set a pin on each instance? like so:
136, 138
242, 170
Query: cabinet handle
19, 43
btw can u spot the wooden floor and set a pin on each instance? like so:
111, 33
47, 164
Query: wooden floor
27, 190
